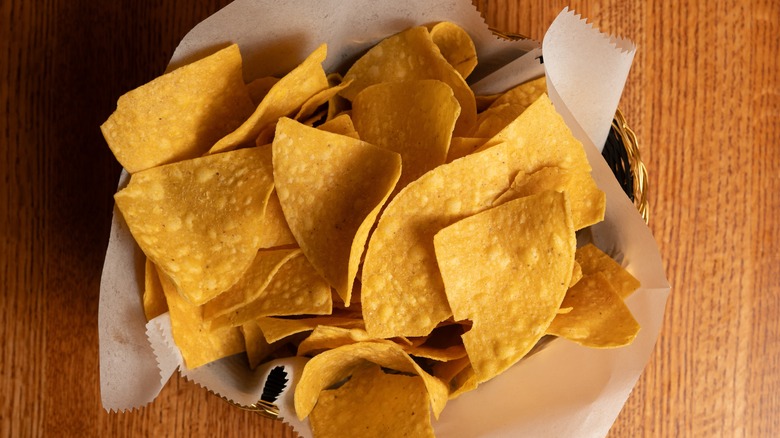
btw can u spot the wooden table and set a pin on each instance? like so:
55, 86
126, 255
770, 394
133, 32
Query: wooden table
703, 97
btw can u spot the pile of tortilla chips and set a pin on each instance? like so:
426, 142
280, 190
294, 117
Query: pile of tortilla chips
413, 239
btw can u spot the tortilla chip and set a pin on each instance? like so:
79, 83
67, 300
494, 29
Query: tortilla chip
317, 100
373, 404
251, 285
588, 202
594, 260
181, 114
494, 119
198, 343
331, 188
154, 298
296, 289
524, 94
275, 232
402, 293
598, 318
332, 366
257, 349
275, 329
284, 98
462, 146
412, 118
260, 87
198, 220
406, 56
539, 138
507, 270
456, 46
341, 124
325, 337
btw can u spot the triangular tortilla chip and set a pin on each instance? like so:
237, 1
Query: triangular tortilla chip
198, 220
331, 188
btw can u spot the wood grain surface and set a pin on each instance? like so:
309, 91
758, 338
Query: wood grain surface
703, 96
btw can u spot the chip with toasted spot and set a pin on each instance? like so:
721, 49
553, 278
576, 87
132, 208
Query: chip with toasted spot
197, 220
598, 319
507, 270
332, 366
388, 405
412, 118
181, 114
284, 98
331, 188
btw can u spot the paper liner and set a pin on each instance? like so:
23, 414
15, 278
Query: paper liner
586, 72
565, 389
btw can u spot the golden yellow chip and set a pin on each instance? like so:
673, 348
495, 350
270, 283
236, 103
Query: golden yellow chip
524, 94
594, 260
275, 329
462, 146
332, 366
456, 46
310, 106
260, 87
154, 298
412, 118
373, 404
325, 337
463, 382
295, 289
491, 121
588, 202
181, 114
538, 139
283, 99
198, 343
507, 270
197, 220
275, 231
341, 124
598, 318
331, 188
576, 274
402, 293
251, 285
411, 55
446, 371
257, 349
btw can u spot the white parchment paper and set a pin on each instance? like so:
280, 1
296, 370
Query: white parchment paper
564, 390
